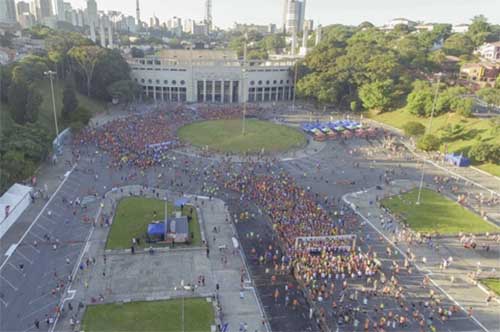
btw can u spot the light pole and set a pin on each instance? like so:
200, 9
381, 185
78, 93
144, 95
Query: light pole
294, 86
428, 131
181, 288
51, 74
243, 78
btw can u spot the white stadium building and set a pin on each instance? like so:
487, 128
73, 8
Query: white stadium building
212, 76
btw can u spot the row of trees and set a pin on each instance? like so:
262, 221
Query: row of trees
365, 66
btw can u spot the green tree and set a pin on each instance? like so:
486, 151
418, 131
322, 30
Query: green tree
33, 103
491, 96
354, 106
377, 95
414, 128
458, 44
481, 152
81, 117
420, 100
428, 142
111, 67
125, 90
70, 102
86, 58
30, 69
17, 96
479, 30
5, 81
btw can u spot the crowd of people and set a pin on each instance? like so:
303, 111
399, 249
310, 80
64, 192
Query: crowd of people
348, 286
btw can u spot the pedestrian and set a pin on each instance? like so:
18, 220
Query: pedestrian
37, 323
132, 250
208, 252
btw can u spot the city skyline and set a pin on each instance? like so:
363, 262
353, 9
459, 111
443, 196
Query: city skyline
324, 12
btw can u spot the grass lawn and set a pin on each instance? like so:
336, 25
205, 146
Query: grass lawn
493, 284
490, 168
474, 127
149, 316
225, 136
133, 214
46, 116
436, 213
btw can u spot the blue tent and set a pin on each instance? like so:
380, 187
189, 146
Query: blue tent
181, 201
457, 160
156, 229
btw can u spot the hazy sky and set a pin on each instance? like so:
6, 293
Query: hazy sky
226, 12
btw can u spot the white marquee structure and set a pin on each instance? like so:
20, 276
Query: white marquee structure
212, 76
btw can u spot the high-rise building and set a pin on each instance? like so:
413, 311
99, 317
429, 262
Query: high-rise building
7, 11
294, 13
42, 9
208, 14
21, 8
137, 13
59, 10
92, 12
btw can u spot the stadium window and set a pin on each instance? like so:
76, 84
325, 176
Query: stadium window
165, 82
259, 82
274, 82
267, 82
252, 82
174, 82
157, 81
183, 82
150, 81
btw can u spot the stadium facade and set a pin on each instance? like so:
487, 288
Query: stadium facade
212, 76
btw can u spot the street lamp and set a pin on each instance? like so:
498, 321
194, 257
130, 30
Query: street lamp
182, 289
428, 131
51, 75
243, 78
294, 86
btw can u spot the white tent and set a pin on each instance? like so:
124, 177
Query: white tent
12, 205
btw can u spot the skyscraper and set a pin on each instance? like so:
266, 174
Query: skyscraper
7, 11
208, 14
92, 12
41, 9
22, 7
293, 16
59, 10
138, 13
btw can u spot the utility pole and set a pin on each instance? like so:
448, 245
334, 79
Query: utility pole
428, 131
51, 75
243, 85
294, 86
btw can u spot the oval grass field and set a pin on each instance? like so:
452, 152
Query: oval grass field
226, 136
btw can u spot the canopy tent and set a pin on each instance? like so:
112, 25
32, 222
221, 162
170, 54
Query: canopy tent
181, 201
12, 204
156, 229
457, 159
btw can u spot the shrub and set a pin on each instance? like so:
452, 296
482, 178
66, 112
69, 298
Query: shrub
428, 142
414, 128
